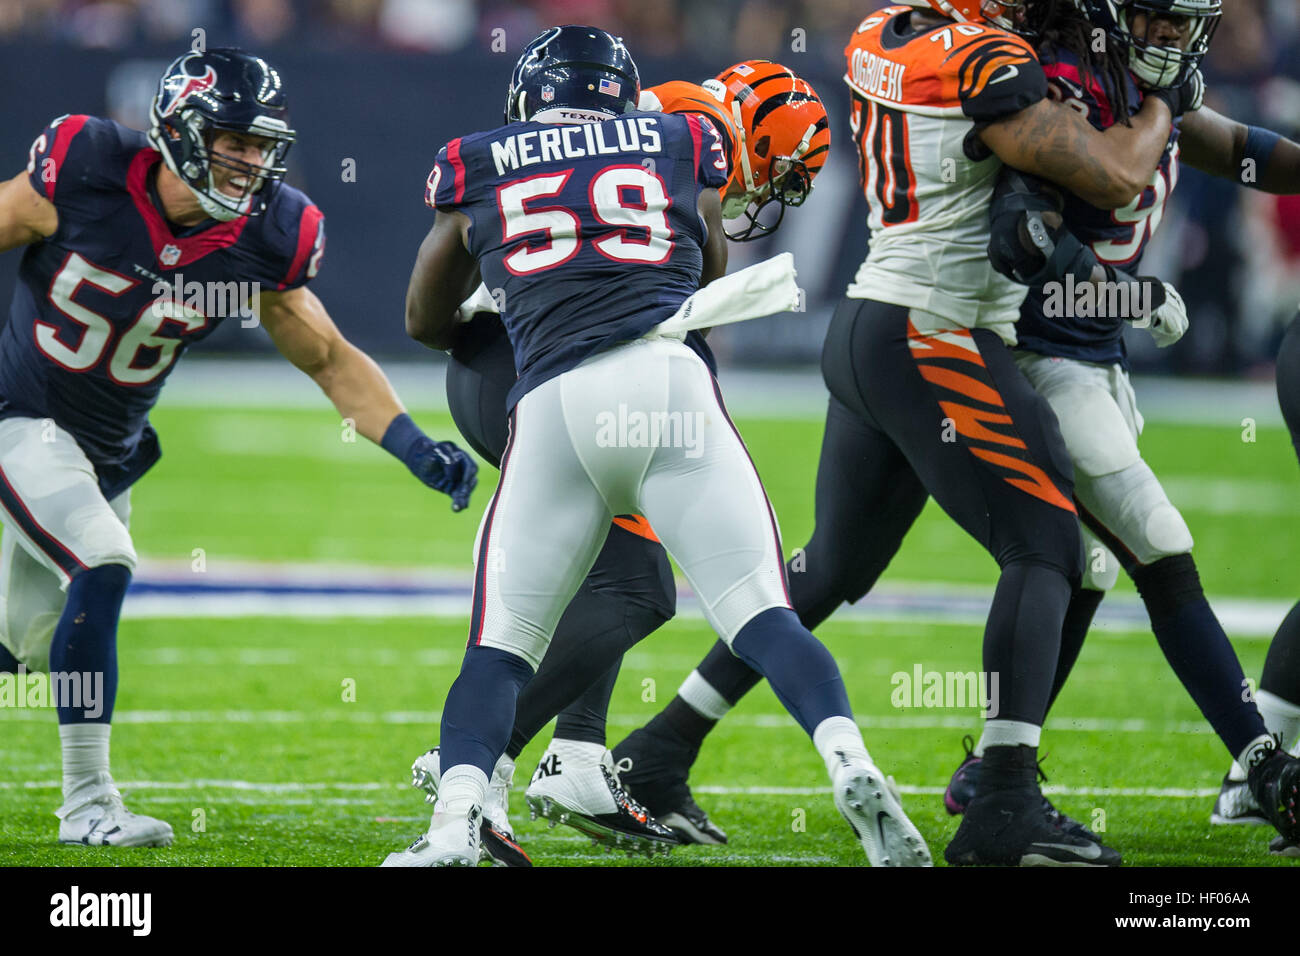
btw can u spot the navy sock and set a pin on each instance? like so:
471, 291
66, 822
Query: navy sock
480, 708
85, 644
1282, 665
8, 663
1193, 642
801, 671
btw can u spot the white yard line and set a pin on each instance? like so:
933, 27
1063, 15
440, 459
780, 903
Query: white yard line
346, 714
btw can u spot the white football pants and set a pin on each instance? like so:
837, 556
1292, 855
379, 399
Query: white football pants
640, 429
1100, 422
56, 523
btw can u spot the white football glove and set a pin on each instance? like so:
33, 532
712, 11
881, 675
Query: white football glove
1169, 322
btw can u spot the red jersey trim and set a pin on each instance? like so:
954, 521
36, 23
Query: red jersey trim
192, 248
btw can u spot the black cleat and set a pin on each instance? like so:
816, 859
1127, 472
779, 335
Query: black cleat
1275, 783
1281, 846
691, 824
965, 781
1005, 824
657, 769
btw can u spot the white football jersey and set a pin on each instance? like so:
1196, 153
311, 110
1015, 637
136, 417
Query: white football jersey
917, 100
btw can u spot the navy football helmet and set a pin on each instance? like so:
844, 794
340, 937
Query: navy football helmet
201, 94
1158, 67
573, 73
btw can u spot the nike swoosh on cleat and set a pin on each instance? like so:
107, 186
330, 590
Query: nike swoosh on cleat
1091, 852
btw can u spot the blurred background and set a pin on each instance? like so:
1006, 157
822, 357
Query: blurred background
379, 85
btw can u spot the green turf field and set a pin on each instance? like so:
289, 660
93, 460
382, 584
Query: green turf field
238, 733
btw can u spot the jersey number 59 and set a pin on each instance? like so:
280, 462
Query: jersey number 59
631, 198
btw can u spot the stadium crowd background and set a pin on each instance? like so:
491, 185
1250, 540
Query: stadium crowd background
1233, 253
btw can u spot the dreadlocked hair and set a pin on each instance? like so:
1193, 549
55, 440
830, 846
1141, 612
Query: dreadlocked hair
1059, 24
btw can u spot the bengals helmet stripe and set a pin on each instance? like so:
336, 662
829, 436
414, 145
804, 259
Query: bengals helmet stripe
785, 126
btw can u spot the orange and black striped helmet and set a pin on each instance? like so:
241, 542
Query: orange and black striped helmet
787, 139
1006, 14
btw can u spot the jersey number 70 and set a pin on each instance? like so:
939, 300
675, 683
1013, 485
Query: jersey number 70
885, 159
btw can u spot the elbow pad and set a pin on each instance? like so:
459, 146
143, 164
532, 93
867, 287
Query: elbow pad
1028, 240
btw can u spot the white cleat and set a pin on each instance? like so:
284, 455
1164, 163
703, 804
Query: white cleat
869, 801
94, 815
590, 798
497, 843
452, 840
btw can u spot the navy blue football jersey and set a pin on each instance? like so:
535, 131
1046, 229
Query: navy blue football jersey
1117, 236
588, 234
92, 335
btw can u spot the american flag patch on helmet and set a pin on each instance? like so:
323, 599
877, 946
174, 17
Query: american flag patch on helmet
612, 87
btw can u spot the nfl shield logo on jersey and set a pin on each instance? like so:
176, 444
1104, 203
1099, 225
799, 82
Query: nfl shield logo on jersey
170, 255
548, 94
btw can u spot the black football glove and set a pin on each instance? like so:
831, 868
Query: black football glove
1184, 98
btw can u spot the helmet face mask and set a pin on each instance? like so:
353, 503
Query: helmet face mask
572, 74
1156, 65
784, 139
201, 96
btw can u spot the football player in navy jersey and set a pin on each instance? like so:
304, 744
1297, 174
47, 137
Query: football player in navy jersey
113, 221
597, 222
777, 141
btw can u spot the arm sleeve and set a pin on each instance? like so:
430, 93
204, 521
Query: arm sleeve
998, 75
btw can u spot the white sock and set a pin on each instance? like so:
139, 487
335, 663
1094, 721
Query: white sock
85, 754
1262, 742
462, 787
576, 753
1008, 733
1280, 716
1237, 773
836, 734
702, 698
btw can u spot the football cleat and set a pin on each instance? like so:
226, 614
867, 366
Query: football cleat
869, 802
451, 840
1281, 846
965, 780
1275, 784
692, 824
1006, 826
593, 801
657, 766
94, 815
1236, 805
496, 837
961, 788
